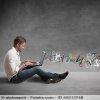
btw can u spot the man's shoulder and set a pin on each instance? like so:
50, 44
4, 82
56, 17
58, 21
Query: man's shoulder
10, 52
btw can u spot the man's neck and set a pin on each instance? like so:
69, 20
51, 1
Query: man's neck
16, 49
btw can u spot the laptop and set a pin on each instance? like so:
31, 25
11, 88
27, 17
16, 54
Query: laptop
40, 63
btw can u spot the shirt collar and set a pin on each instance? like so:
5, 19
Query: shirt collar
15, 50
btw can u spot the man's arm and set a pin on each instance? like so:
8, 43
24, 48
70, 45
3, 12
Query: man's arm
26, 64
22, 66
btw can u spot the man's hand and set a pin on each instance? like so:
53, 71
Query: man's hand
26, 63
29, 62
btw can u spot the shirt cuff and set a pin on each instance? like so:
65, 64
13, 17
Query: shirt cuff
17, 69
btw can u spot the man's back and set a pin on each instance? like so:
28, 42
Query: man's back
11, 62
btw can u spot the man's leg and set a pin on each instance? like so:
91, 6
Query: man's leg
27, 73
35, 70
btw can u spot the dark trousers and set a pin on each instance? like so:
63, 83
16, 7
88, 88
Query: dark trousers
27, 73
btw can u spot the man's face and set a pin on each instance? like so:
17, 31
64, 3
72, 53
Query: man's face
21, 46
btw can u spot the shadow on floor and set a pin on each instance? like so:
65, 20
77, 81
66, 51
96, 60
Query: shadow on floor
3, 80
36, 79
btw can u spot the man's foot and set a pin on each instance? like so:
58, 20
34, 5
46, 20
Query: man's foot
58, 78
63, 75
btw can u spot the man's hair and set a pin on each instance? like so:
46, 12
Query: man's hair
19, 40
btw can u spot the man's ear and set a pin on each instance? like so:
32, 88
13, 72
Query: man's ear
18, 45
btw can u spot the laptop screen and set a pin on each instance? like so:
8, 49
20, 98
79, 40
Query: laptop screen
42, 57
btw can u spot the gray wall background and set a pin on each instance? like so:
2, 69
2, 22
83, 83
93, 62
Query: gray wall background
61, 25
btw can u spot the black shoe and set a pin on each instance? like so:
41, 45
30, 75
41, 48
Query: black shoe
63, 75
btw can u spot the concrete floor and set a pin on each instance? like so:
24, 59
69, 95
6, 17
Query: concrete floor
77, 83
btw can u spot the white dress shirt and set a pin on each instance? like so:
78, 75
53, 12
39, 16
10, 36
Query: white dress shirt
11, 63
